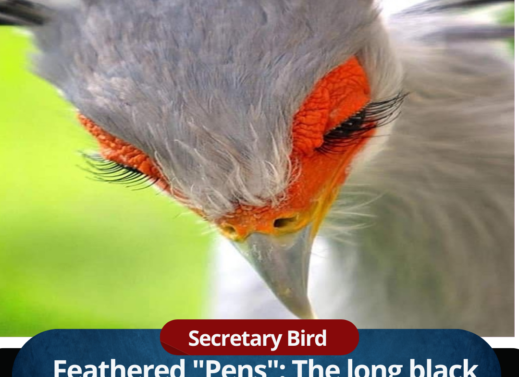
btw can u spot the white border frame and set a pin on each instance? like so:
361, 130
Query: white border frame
512, 342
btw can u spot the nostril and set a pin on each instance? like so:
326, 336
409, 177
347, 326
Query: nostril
229, 230
284, 222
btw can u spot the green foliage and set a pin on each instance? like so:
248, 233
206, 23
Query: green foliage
75, 253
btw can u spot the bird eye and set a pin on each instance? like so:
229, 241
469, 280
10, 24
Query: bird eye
284, 222
112, 172
347, 128
374, 115
120, 161
346, 132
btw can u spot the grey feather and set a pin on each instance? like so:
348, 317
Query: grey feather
467, 33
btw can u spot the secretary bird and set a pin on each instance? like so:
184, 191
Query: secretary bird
269, 118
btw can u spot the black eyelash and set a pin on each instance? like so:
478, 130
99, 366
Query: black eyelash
104, 170
374, 115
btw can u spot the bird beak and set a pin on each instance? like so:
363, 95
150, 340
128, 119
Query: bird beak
283, 261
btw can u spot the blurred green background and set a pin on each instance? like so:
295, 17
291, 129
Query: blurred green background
75, 253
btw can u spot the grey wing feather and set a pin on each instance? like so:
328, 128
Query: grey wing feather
460, 33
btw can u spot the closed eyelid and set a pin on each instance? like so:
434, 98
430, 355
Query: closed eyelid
112, 172
124, 154
340, 94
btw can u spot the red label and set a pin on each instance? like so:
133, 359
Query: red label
259, 337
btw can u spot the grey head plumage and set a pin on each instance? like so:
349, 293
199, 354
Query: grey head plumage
243, 72
209, 89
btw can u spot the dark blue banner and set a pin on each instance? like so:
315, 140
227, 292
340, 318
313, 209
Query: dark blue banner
136, 353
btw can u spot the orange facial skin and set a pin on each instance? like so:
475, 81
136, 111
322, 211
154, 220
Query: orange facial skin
121, 152
317, 177
336, 97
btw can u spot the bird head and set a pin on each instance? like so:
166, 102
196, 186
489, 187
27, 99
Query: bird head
252, 115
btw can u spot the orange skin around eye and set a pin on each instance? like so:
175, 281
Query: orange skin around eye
340, 94
337, 96
121, 152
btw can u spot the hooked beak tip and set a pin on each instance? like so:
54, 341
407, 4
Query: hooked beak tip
283, 263
310, 314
